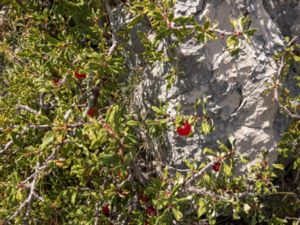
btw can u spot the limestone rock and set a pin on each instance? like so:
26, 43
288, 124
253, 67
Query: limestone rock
234, 85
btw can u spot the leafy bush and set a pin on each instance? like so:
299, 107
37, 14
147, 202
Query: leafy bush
72, 152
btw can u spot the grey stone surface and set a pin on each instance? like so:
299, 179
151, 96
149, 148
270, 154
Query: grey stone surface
234, 86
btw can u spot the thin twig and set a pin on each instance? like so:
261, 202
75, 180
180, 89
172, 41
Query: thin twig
113, 29
7, 146
192, 27
45, 126
137, 173
27, 201
38, 170
277, 82
31, 193
27, 108
97, 213
202, 171
288, 112
205, 193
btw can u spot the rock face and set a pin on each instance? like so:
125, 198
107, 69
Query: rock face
234, 85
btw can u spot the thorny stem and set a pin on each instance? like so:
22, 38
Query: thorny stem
277, 83
38, 170
207, 167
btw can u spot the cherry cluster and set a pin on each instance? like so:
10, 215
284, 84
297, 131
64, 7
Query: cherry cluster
80, 76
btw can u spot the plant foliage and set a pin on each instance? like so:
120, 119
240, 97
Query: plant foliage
72, 151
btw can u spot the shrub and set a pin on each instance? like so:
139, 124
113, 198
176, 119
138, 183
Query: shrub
72, 151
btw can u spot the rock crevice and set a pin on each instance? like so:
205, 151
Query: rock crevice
234, 85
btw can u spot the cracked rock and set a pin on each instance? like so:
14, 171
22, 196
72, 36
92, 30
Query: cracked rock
236, 86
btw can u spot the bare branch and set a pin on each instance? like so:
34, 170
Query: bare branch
137, 173
45, 126
38, 170
192, 27
7, 146
27, 108
29, 198
288, 112
97, 213
201, 172
113, 29
204, 192
27, 201
277, 83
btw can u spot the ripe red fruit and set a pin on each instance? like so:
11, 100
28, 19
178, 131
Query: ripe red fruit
185, 129
55, 81
216, 167
91, 112
238, 33
79, 75
150, 211
105, 210
222, 35
143, 198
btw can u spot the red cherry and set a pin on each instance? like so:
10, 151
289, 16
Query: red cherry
119, 173
143, 198
55, 81
91, 112
79, 75
185, 129
105, 210
238, 33
216, 167
150, 211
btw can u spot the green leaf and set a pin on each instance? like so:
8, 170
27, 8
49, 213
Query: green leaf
77, 170
232, 41
163, 218
208, 151
247, 208
133, 123
222, 146
278, 166
244, 158
250, 32
51, 39
244, 22
157, 110
205, 127
201, 210
253, 219
184, 200
234, 23
47, 140
109, 159
113, 117
296, 58
16, 140
231, 140
206, 24
19, 195
100, 140
177, 214
134, 21
73, 197
227, 169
